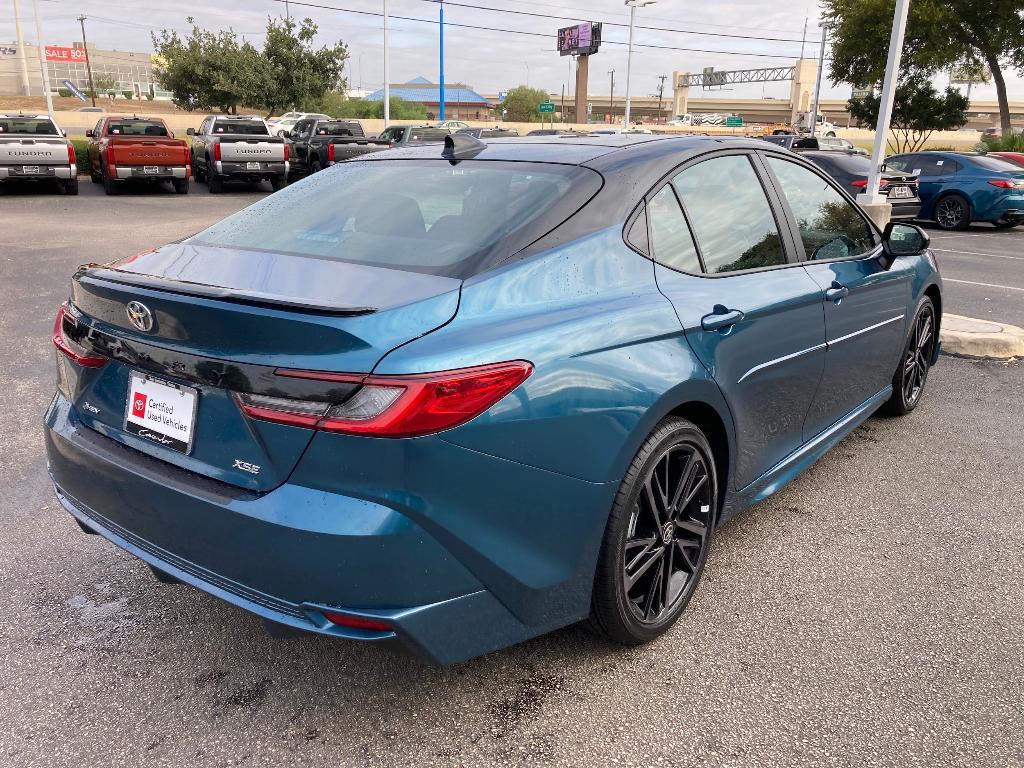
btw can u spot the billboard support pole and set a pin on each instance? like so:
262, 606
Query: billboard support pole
582, 72
42, 60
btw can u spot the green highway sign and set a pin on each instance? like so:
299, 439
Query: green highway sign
734, 121
546, 107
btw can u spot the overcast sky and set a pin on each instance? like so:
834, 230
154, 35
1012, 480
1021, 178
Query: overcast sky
487, 60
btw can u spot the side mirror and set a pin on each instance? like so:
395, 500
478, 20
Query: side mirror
190, 131
90, 134
901, 239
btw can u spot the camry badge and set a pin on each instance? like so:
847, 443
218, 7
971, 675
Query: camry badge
139, 315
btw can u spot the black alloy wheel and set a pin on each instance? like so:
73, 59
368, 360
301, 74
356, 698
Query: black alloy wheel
658, 535
912, 374
953, 212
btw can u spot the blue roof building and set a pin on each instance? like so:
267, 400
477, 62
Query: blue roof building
460, 101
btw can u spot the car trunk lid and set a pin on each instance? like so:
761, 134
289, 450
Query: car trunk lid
223, 321
139, 150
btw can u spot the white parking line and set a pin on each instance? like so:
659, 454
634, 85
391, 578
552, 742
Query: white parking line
984, 285
943, 235
975, 253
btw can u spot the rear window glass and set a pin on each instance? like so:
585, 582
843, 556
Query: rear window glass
854, 164
428, 135
418, 215
995, 164
337, 129
27, 125
244, 127
136, 128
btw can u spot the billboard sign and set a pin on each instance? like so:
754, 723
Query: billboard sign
57, 53
579, 40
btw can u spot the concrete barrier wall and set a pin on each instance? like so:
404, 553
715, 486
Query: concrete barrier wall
76, 123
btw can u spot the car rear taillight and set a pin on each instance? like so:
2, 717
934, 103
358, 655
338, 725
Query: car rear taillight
110, 156
859, 183
71, 154
357, 622
394, 406
287, 153
330, 153
1007, 183
68, 347
216, 152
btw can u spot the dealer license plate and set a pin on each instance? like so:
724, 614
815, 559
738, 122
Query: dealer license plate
30, 169
901, 192
151, 169
252, 166
161, 412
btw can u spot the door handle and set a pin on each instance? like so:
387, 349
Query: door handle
720, 318
837, 292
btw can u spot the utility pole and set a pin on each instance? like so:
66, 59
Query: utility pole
803, 40
441, 7
26, 90
387, 71
661, 91
633, 5
42, 59
611, 100
817, 87
88, 66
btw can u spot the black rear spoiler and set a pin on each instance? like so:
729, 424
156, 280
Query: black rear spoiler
90, 273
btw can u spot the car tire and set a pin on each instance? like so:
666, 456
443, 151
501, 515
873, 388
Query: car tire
69, 187
110, 186
953, 212
661, 522
315, 167
95, 178
915, 361
830, 135
216, 184
277, 182
180, 186
1006, 223
197, 173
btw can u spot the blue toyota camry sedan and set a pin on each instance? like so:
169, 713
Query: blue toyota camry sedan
459, 396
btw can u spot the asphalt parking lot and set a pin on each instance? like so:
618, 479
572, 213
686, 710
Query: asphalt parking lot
868, 614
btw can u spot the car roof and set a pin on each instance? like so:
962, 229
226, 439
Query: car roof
580, 150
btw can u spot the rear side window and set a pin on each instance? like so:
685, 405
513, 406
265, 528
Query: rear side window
730, 214
830, 227
995, 164
335, 129
418, 215
428, 135
671, 241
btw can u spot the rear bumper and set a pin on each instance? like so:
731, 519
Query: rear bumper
240, 170
906, 210
163, 172
45, 172
288, 554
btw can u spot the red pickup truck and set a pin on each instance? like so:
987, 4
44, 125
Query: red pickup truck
137, 149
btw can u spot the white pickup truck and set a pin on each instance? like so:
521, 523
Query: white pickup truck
32, 148
238, 148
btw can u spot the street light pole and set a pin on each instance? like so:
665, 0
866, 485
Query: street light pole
633, 5
817, 85
42, 60
387, 71
892, 76
26, 90
441, 6
611, 100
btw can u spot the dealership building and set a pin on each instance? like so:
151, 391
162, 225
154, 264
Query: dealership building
460, 101
120, 71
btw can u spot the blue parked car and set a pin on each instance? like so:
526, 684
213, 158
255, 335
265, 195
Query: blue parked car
958, 188
456, 397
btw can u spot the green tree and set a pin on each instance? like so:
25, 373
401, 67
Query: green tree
918, 110
940, 34
294, 74
521, 104
207, 70
365, 109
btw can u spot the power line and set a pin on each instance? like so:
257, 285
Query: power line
539, 34
615, 23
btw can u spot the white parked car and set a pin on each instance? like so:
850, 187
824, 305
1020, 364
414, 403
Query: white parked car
283, 125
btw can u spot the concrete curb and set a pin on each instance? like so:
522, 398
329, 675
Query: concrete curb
982, 339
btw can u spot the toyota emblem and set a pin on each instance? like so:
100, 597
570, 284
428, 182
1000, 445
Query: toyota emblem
139, 315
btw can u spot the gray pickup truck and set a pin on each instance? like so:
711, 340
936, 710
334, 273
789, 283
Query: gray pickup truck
33, 148
319, 143
238, 148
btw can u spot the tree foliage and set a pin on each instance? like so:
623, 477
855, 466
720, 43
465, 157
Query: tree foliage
940, 34
521, 104
919, 110
215, 70
366, 109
